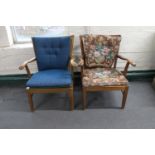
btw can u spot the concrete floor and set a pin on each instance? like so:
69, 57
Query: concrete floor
103, 109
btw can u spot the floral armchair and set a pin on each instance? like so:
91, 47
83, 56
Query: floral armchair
53, 55
98, 65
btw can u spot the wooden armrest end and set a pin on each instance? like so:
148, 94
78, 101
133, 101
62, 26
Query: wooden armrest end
74, 63
129, 61
23, 65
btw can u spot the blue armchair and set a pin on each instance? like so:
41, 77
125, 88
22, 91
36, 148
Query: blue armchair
53, 56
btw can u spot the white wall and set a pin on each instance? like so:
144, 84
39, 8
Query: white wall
12, 57
5, 36
138, 43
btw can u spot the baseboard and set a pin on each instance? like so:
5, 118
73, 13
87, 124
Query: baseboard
15, 79
140, 74
22, 78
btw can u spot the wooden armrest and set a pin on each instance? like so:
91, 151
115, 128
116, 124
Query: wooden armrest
23, 65
129, 61
77, 63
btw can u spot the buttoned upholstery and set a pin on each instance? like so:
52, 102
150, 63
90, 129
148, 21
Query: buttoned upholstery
50, 78
52, 52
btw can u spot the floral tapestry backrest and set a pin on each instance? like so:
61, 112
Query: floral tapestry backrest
100, 50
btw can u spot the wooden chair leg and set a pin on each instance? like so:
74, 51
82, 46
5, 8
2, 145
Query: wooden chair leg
71, 97
84, 94
30, 101
125, 94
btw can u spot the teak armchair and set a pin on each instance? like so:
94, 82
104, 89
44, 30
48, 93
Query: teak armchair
53, 56
98, 65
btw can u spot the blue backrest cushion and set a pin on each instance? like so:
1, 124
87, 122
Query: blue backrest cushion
52, 52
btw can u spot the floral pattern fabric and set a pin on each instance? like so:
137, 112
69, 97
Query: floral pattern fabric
100, 50
103, 77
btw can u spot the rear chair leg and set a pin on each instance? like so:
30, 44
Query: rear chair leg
30, 101
71, 97
84, 94
125, 94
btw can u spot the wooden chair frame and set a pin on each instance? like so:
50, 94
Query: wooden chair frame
31, 91
122, 88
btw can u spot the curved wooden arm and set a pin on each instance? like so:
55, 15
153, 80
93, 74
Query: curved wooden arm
25, 65
129, 62
78, 63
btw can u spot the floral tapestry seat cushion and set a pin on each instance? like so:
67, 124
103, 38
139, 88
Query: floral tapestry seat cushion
100, 50
103, 77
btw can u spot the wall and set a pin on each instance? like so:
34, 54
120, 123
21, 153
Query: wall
138, 43
5, 36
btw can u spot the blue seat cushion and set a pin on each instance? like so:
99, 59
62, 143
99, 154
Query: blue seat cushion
50, 78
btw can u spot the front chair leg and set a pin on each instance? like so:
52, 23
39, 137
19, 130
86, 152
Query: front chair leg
125, 94
30, 101
84, 94
71, 97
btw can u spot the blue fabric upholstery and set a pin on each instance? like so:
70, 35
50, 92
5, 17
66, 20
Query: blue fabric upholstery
50, 78
52, 52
